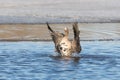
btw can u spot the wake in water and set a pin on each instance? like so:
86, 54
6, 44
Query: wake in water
32, 60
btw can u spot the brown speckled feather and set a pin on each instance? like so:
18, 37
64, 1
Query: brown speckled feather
63, 45
76, 47
56, 37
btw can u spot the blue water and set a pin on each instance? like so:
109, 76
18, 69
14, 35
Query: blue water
99, 60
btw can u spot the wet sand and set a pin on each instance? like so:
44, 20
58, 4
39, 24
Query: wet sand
39, 32
34, 12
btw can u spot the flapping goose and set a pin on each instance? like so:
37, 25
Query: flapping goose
63, 45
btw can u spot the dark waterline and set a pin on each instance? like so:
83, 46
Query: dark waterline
49, 40
37, 61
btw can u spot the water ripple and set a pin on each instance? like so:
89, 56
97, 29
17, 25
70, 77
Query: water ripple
38, 61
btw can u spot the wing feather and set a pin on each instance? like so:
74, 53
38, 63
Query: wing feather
76, 41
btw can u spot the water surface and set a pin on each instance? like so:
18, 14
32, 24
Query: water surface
37, 61
42, 11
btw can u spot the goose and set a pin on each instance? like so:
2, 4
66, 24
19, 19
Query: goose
63, 45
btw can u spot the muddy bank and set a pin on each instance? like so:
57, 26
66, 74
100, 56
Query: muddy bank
39, 32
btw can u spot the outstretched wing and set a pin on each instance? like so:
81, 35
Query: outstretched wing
76, 41
56, 37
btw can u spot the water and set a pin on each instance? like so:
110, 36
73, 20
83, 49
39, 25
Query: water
54, 11
37, 61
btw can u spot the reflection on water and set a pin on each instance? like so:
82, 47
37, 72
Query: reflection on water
38, 61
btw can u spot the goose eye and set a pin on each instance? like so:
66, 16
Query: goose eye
60, 48
64, 50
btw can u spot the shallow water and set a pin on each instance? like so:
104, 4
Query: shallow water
42, 11
37, 61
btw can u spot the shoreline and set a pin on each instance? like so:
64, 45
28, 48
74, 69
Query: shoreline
34, 20
42, 23
39, 32
39, 40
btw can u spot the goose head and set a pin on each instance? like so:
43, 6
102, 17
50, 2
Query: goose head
65, 48
65, 44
